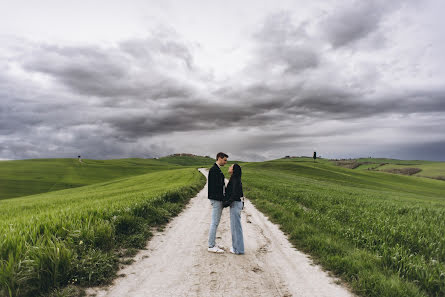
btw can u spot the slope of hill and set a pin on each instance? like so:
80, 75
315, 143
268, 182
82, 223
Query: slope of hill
194, 161
188, 160
75, 235
430, 169
33, 176
382, 233
434, 170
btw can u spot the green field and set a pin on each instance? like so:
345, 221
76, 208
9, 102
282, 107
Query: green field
75, 236
28, 177
430, 169
368, 166
382, 233
394, 161
192, 161
188, 160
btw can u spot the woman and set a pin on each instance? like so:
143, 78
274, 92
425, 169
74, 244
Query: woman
234, 192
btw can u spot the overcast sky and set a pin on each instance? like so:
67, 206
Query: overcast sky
255, 79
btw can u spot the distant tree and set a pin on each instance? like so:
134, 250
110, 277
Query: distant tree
315, 156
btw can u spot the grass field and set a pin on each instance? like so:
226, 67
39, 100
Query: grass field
33, 176
27, 177
382, 233
188, 160
430, 169
394, 161
74, 236
193, 161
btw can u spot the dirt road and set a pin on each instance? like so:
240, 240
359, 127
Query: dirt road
177, 263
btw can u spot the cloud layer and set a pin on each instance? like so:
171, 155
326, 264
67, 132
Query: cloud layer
347, 81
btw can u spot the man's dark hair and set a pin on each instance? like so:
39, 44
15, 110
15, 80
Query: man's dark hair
221, 155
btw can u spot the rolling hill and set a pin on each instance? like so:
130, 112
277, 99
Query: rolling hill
382, 233
430, 169
75, 236
33, 176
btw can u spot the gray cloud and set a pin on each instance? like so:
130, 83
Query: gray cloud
431, 151
285, 45
147, 96
135, 69
339, 103
356, 20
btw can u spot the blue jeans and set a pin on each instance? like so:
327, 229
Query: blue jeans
216, 216
235, 227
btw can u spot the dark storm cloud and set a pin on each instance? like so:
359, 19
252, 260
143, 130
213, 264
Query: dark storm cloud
135, 69
85, 144
107, 74
272, 106
12, 119
356, 20
16, 114
311, 95
161, 43
192, 116
117, 101
283, 44
430, 150
339, 103
332, 102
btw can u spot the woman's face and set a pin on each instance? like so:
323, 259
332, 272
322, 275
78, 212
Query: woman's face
231, 169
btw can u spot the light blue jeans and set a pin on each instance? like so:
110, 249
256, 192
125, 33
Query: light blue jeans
216, 216
235, 227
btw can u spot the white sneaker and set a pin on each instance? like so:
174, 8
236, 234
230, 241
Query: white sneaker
215, 249
231, 250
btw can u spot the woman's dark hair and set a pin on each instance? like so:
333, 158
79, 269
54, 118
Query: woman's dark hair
236, 172
235, 181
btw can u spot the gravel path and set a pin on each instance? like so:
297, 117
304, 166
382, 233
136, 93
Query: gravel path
177, 263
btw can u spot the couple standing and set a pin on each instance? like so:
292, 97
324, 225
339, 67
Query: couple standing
220, 197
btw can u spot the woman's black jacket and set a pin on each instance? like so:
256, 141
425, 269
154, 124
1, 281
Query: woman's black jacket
234, 191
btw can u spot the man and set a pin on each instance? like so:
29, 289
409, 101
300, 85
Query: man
216, 193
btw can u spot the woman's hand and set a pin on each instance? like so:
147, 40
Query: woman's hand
227, 203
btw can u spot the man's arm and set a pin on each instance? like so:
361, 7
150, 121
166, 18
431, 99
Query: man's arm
212, 182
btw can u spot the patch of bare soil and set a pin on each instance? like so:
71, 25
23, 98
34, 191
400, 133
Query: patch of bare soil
404, 171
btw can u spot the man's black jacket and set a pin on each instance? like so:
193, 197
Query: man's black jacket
216, 183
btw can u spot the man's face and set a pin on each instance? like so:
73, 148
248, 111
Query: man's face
222, 161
